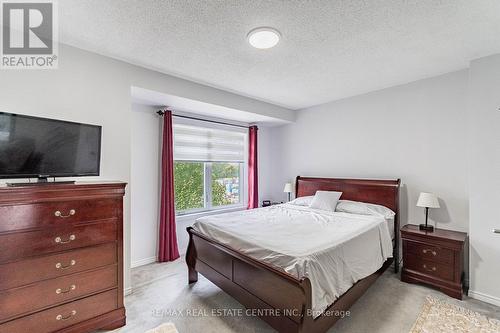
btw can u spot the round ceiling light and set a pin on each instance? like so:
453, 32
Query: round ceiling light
263, 38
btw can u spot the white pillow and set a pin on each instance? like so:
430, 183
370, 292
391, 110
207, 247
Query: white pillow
325, 200
302, 201
363, 208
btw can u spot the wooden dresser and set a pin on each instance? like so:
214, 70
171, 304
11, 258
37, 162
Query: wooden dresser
435, 258
61, 258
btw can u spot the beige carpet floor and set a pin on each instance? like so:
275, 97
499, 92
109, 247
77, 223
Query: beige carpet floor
161, 294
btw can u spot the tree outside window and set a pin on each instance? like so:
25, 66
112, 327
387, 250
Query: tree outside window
206, 185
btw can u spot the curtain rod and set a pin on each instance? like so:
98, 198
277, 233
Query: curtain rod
161, 113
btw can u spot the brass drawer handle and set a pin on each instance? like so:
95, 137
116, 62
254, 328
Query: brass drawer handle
58, 213
58, 240
71, 263
61, 317
425, 251
60, 291
432, 269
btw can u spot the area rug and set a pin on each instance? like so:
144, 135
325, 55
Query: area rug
164, 328
438, 316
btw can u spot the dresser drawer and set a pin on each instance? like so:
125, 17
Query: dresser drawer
430, 252
28, 271
59, 317
18, 301
26, 244
56, 214
430, 268
54, 240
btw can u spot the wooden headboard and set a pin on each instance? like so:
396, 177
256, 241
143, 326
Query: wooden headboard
380, 192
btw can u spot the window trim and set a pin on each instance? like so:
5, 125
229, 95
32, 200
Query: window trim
185, 217
200, 211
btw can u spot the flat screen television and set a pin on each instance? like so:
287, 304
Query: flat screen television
32, 147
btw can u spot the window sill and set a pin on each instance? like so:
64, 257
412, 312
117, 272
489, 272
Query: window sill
194, 215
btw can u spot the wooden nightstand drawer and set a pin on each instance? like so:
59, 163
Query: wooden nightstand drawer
430, 268
430, 252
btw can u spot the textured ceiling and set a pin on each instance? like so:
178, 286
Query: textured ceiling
329, 49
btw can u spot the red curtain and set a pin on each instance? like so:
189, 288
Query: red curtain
253, 181
168, 250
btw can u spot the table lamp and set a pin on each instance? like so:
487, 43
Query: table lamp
288, 189
427, 200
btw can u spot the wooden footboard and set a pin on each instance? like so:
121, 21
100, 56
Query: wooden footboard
278, 298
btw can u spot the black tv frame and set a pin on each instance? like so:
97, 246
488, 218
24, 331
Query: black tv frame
43, 178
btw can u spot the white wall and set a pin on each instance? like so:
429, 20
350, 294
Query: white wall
95, 89
484, 178
416, 132
145, 185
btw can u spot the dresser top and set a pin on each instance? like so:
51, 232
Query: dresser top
442, 234
36, 193
61, 185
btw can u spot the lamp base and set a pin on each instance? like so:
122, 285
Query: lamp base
426, 227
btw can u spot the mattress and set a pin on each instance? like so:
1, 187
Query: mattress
334, 250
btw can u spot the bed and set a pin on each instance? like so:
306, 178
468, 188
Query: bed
279, 280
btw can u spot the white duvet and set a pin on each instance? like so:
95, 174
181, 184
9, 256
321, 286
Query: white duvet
334, 250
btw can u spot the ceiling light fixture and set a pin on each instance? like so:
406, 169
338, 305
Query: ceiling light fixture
263, 37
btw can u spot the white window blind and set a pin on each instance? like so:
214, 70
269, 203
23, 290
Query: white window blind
194, 143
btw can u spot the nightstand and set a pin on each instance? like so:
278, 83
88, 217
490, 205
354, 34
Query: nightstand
434, 258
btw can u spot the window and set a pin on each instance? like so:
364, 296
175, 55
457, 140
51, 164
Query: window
209, 167
189, 185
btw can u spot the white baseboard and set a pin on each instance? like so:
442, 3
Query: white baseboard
142, 262
485, 298
127, 291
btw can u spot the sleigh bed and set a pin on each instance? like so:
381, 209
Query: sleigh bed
282, 299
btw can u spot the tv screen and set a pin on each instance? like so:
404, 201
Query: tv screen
39, 147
